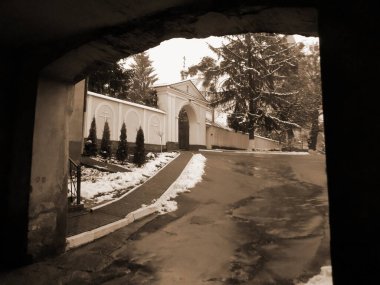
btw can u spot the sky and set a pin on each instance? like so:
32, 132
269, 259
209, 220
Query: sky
168, 56
167, 59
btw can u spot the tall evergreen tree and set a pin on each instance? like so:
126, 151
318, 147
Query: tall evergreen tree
307, 103
312, 140
139, 154
105, 145
249, 80
310, 95
143, 79
122, 149
151, 100
111, 79
91, 147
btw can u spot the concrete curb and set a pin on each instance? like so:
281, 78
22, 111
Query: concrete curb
133, 189
89, 236
167, 194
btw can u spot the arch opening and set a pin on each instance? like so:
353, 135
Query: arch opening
183, 130
188, 131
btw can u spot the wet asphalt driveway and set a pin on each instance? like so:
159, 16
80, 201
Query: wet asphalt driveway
254, 219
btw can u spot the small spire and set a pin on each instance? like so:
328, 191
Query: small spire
183, 71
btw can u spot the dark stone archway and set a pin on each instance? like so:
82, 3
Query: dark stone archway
61, 41
183, 130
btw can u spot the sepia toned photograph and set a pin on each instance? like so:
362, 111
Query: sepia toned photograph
189, 142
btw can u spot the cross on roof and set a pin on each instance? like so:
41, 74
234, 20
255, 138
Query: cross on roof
105, 115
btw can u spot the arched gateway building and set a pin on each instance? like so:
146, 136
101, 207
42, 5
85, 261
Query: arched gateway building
179, 121
183, 119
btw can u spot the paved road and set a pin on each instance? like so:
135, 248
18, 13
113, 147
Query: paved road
85, 221
254, 219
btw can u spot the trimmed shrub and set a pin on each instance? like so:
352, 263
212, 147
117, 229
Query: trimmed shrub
139, 155
105, 145
122, 148
91, 147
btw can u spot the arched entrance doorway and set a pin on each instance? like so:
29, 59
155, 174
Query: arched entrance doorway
183, 130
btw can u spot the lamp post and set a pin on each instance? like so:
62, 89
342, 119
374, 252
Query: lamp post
160, 134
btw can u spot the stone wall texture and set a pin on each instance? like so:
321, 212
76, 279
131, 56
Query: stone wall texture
222, 138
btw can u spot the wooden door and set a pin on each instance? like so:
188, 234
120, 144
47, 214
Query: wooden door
183, 130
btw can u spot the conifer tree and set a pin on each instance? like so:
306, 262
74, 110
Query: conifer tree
91, 147
312, 141
105, 145
139, 155
122, 149
249, 80
143, 78
111, 79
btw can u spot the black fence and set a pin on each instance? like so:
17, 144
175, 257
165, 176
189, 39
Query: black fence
74, 182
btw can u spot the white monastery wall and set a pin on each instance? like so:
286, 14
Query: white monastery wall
223, 138
164, 120
116, 111
261, 143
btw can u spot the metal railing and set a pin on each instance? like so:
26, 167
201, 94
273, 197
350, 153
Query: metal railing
74, 182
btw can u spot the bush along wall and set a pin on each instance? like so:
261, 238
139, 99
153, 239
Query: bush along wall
139, 154
122, 148
90, 145
105, 145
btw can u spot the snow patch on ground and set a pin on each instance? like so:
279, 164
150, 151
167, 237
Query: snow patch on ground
101, 186
190, 176
256, 152
323, 278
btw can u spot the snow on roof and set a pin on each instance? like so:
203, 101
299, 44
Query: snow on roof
173, 83
125, 102
215, 124
268, 139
